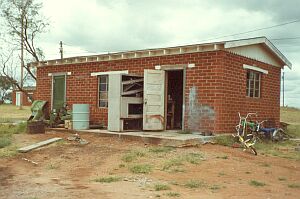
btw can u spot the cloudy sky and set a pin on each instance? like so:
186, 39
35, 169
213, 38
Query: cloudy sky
98, 26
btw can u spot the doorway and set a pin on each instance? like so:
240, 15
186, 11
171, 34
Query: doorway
59, 91
174, 99
18, 98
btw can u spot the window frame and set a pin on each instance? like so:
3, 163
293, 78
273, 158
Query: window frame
105, 91
252, 87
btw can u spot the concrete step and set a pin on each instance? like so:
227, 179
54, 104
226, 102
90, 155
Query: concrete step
37, 145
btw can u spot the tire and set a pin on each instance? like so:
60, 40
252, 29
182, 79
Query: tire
279, 135
253, 150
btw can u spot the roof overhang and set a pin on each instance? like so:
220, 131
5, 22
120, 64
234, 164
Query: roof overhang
259, 40
223, 45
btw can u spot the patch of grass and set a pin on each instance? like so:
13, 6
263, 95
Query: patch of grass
11, 113
172, 163
294, 185
279, 149
121, 165
132, 156
257, 183
161, 187
108, 179
193, 158
225, 140
163, 149
52, 166
192, 184
173, 194
141, 168
215, 187
282, 178
8, 151
5, 141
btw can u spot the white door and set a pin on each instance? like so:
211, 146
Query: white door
18, 98
154, 92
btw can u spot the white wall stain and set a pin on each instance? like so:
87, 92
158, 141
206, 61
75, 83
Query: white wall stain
198, 111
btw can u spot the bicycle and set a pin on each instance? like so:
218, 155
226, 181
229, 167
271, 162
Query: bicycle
246, 139
274, 134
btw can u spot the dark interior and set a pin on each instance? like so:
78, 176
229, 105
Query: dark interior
174, 99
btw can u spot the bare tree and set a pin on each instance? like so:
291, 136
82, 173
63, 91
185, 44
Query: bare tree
23, 24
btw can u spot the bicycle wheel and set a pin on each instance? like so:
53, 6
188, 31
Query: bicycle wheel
253, 150
279, 135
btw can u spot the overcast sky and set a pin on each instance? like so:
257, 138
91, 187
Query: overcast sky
97, 26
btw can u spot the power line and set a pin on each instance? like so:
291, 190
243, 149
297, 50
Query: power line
287, 38
255, 30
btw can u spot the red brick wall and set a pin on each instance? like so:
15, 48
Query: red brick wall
215, 88
25, 99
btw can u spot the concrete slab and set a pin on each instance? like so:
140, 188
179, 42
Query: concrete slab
165, 138
37, 145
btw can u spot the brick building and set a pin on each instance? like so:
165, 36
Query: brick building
26, 99
197, 87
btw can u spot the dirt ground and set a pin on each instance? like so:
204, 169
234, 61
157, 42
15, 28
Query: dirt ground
68, 170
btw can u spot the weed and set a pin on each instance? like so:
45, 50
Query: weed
193, 158
161, 149
141, 168
294, 185
257, 183
52, 166
247, 172
172, 163
121, 165
161, 187
108, 179
192, 184
282, 179
225, 140
173, 194
221, 173
215, 187
133, 155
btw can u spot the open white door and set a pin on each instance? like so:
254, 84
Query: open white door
18, 98
154, 92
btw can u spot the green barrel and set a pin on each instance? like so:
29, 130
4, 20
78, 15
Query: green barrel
81, 116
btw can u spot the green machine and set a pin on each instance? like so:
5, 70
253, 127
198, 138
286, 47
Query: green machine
37, 110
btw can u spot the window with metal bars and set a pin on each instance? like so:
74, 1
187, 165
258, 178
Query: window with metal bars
103, 91
253, 84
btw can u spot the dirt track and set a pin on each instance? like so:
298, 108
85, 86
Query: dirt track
68, 170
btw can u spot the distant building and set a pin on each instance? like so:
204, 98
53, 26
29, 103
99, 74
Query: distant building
27, 100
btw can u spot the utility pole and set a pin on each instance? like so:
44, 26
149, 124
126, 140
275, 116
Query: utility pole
283, 88
22, 57
61, 50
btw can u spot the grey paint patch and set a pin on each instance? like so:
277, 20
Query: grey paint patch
198, 112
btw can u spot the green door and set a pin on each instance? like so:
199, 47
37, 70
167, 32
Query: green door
59, 91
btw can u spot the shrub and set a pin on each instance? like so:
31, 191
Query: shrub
108, 179
141, 168
160, 187
257, 183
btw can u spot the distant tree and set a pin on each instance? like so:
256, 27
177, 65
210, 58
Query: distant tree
23, 23
5, 88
